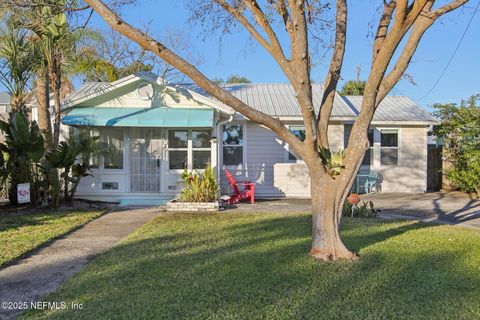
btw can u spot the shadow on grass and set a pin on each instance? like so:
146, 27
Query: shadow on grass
257, 267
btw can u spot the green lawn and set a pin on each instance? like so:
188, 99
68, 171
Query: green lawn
20, 234
255, 266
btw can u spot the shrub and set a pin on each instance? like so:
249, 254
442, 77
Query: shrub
20, 155
460, 133
198, 188
73, 155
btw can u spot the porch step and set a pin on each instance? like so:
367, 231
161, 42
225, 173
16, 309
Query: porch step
137, 201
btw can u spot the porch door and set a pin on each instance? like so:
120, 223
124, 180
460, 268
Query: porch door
145, 159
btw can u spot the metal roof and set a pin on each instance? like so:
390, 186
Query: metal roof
278, 99
86, 89
393, 108
4, 98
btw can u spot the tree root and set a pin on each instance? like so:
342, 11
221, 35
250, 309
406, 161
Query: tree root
333, 255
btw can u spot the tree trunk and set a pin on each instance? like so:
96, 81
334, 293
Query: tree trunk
73, 190
56, 121
56, 80
43, 108
66, 192
326, 213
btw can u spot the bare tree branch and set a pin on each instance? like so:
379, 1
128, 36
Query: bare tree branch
382, 29
421, 25
333, 75
238, 15
301, 68
276, 48
447, 8
281, 7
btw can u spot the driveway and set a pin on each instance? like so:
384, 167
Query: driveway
452, 207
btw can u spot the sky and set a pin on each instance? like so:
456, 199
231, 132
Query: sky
238, 54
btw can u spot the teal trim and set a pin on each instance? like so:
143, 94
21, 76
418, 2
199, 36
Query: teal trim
139, 117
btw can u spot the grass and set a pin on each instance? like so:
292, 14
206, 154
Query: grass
255, 266
20, 234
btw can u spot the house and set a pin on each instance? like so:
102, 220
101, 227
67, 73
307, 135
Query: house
157, 129
4, 109
4, 102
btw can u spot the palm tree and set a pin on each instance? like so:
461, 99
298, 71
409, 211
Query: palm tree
353, 88
59, 45
16, 68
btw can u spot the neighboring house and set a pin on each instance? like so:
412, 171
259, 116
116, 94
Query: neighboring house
4, 109
157, 129
4, 103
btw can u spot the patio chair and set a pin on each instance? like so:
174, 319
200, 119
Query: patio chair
248, 191
372, 181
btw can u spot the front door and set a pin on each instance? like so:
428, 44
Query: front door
145, 159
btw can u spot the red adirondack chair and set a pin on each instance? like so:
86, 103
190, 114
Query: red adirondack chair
248, 191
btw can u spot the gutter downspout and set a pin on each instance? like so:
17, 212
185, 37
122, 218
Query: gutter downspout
219, 126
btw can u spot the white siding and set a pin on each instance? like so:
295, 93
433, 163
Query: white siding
264, 149
410, 174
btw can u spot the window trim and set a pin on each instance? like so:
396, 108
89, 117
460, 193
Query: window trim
243, 145
398, 147
189, 148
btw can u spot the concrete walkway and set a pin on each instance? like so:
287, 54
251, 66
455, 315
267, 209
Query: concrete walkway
43, 272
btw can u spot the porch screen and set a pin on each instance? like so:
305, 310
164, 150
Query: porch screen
145, 160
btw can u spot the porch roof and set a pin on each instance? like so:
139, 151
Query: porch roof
139, 117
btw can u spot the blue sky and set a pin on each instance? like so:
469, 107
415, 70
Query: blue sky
238, 55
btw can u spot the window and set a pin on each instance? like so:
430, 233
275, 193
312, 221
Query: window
232, 144
201, 148
111, 150
299, 132
94, 159
389, 147
368, 158
192, 144
114, 139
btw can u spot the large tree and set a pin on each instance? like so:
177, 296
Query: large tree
400, 29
